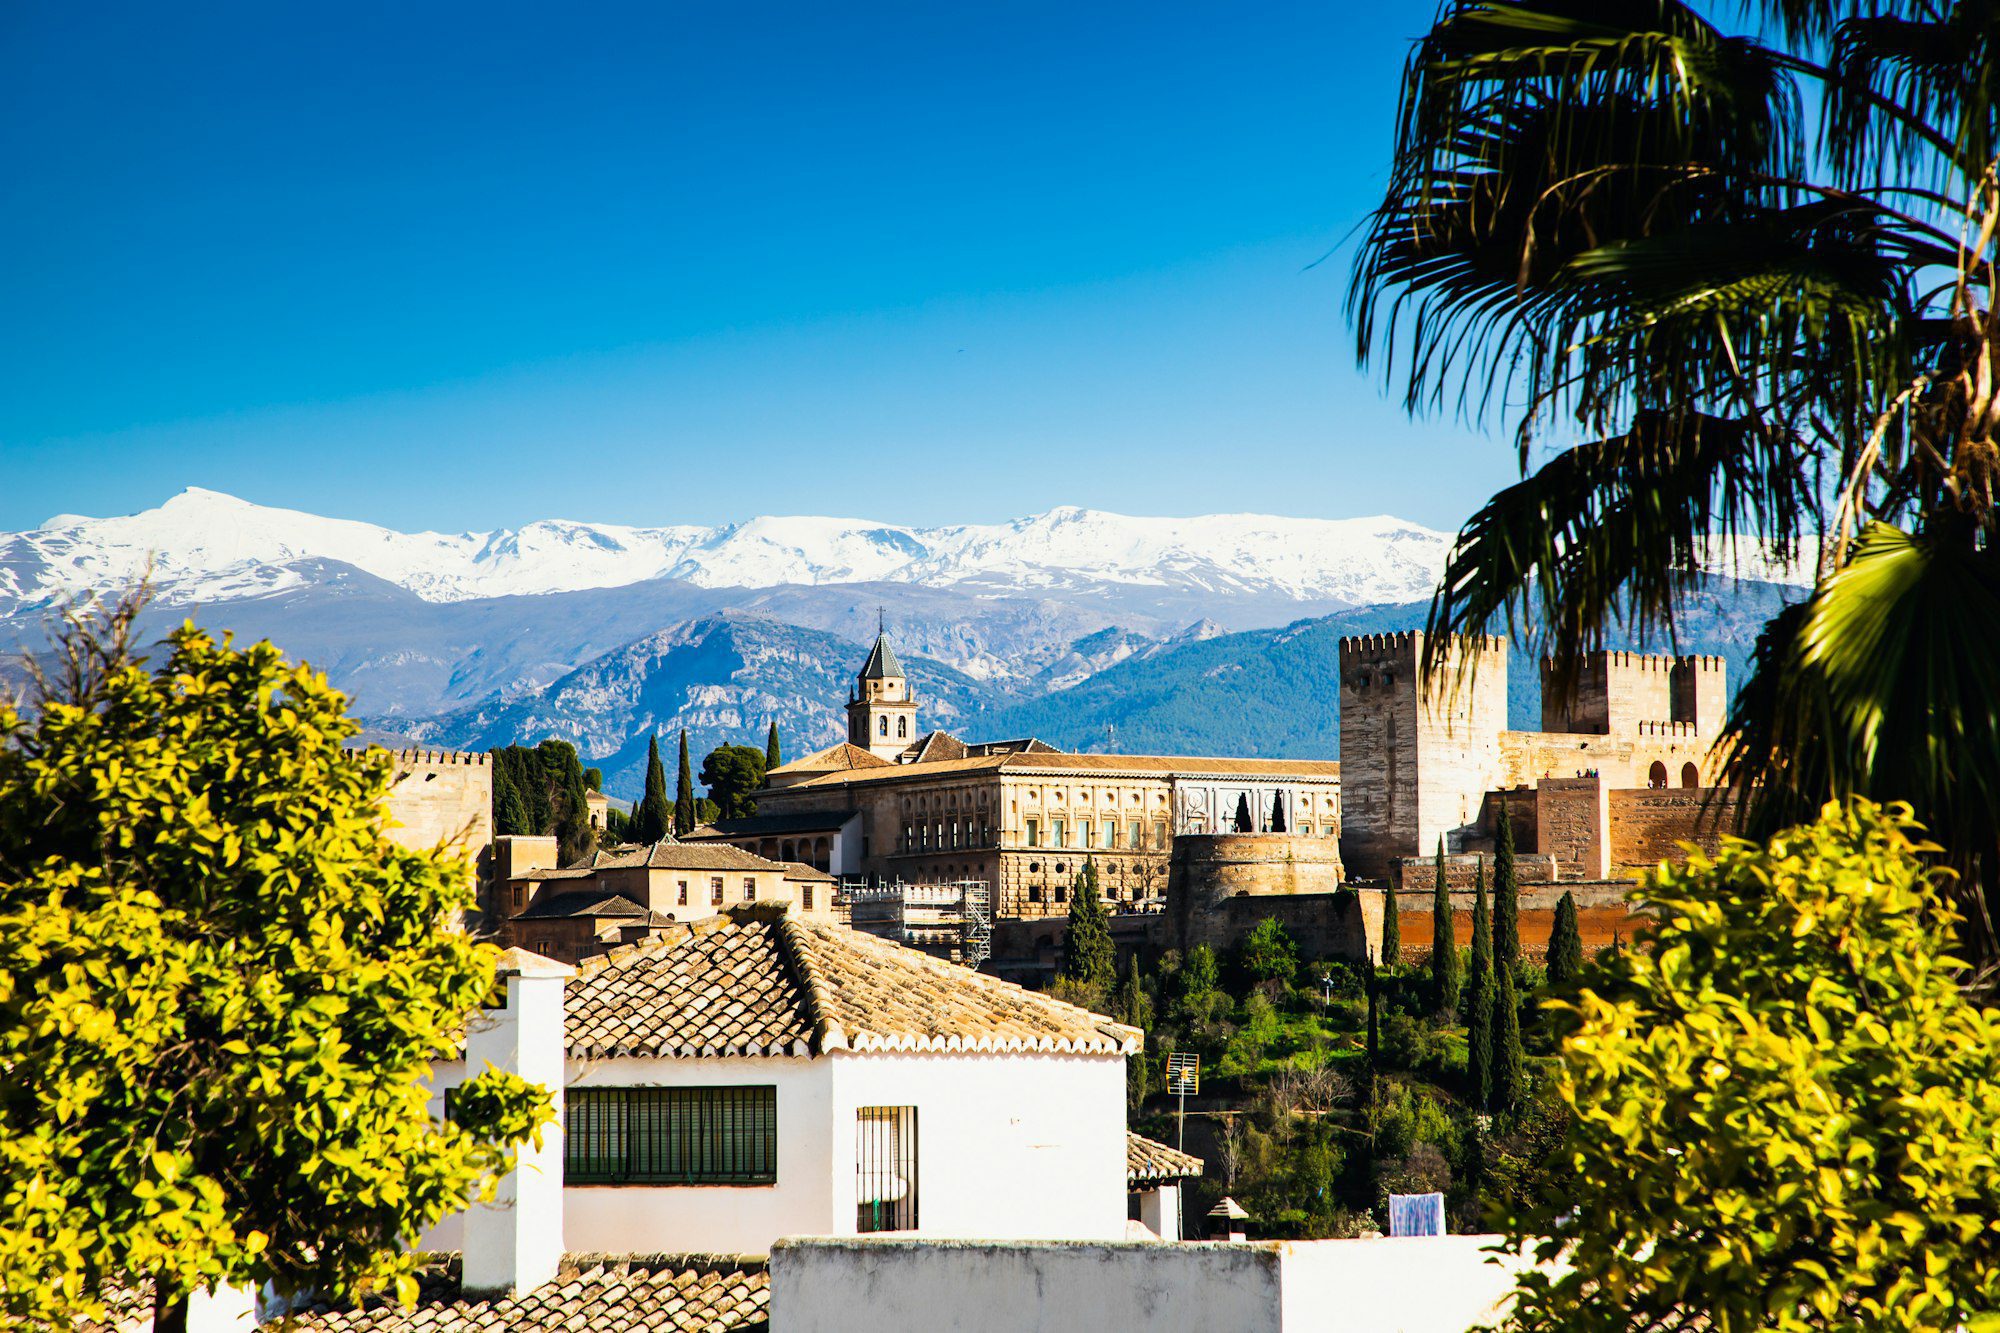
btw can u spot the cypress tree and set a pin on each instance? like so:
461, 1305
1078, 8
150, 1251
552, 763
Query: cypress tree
773, 756
1509, 1078
1131, 1004
1565, 945
650, 820
1089, 957
1506, 897
1392, 931
1277, 812
1444, 943
1479, 1031
510, 815
684, 812
1243, 813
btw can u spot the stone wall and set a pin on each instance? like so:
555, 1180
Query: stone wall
1219, 886
1603, 915
1418, 874
1572, 822
442, 796
1650, 826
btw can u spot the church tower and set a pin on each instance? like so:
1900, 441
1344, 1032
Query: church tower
881, 715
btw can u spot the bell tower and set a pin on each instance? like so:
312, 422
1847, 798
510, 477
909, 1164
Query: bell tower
881, 715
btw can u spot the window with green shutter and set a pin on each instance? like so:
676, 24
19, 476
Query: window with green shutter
671, 1136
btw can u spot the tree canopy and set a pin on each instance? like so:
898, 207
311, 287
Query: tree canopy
1754, 275
221, 988
652, 819
1785, 1107
686, 814
1089, 960
541, 791
733, 774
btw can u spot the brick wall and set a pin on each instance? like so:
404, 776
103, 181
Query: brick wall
1571, 823
1649, 826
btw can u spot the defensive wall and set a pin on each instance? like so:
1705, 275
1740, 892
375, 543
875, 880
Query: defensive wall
1220, 885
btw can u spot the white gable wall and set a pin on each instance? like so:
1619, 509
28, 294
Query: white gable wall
1010, 1146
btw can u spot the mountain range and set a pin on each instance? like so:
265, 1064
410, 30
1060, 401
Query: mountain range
1213, 634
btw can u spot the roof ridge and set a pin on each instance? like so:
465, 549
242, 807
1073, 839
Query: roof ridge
796, 950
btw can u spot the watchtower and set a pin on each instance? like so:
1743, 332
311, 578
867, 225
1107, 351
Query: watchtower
1415, 763
881, 715
1617, 693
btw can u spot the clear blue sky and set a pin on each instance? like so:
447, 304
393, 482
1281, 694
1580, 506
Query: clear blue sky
460, 266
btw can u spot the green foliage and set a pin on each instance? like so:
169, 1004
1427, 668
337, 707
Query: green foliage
1785, 1107
221, 989
773, 755
1480, 990
1244, 824
1754, 273
1405, 1042
540, 791
1277, 812
1130, 1003
1392, 931
733, 774
1195, 986
685, 814
1510, 1077
1444, 943
1565, 945
652, 818
1089, 959
1506, 896
593, 778
1267, 953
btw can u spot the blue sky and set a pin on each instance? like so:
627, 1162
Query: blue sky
461, 266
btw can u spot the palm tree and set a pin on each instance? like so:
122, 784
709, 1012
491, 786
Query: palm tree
1713, 321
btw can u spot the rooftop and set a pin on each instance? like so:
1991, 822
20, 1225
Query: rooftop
1148, 1161
1054, 762
754, 981
805, 821
590, 1294
834, 757
549, 906
881, 663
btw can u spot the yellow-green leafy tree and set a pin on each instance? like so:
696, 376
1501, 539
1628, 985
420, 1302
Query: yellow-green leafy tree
221, 988
1786, 1110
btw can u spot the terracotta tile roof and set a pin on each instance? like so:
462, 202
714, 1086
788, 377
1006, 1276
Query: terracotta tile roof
1148, 1161
591, 1294
561, 905
683, 856
759, 981
937, 745
804, 821
834, 757
798, 870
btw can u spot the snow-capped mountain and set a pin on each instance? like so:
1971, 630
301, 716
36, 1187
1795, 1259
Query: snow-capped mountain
205, 547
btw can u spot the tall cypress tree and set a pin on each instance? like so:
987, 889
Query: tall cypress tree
1565, 945
1509, 1078
773, 756
1243, 824
1479, 1031
1506, 897
1392, 931
1444, 943
650, 820
510, 815
1089, 957
1277, 812
684, 793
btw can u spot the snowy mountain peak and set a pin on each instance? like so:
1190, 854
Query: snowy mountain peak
207, 546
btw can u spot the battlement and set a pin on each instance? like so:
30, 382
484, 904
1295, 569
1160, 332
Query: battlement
1701, 662
1682, 729
1401, 640
418, 758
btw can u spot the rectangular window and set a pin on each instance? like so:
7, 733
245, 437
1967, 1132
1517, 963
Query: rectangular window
1034, 834
1110, 833
885, 1168
683, 893
1138, 837
1056, 832
1160, 835
749, 889
806, 897
715, 891
671, 1136
1089, 832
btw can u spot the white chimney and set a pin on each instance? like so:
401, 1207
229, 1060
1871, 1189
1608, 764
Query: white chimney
515, 1243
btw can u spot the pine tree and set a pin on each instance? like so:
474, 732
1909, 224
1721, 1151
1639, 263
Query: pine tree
684, 809
1392, 931
773, 756
1479, 1032
1509, 1078
1445, 980
651, 818
1277, 812
1243, 824
1131, 1004
1565, 945
1506, 897
1090, 960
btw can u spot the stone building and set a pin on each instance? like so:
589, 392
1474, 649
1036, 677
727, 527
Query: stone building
1019, 814
442, 796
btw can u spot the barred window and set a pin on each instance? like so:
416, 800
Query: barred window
749, 888
671, 1136
885, 1168
715, 890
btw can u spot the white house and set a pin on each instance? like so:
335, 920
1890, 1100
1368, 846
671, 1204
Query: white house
754, 1075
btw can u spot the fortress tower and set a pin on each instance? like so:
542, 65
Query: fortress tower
881, 715
1415, 764
1618, 691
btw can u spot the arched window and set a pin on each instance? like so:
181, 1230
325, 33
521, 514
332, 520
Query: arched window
883, 728
1656, 776
902, 728
1690, 775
